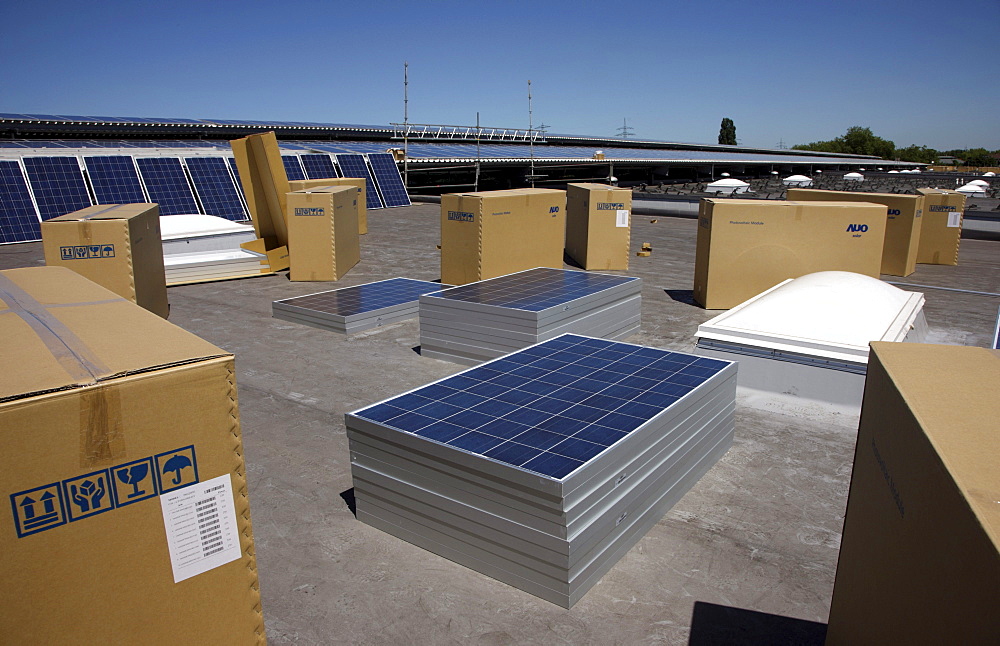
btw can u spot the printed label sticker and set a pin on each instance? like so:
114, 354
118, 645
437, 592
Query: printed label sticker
201, 527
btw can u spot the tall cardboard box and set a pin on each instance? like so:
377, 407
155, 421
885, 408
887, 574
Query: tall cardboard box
265, 184
745, 247
941, 230
114, 245
322, 232
920, 552
127, 519
494, 233
598, 225
358, 182
902, 229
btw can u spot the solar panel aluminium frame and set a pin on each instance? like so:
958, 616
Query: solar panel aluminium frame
26, 221
194, 174
113, 198
310, 168
386, 176
168, 208
297, 164
372, 196
45, 205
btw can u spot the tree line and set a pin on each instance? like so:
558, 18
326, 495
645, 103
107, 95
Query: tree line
862, 141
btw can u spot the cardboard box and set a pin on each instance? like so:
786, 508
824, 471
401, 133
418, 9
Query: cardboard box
359, 182
323, 232
117, 426
598, 225
265, 184
920, 552
494, 233
941, 230
748, 246
902, 230
114, 245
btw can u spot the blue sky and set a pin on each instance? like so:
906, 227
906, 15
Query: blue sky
914, 72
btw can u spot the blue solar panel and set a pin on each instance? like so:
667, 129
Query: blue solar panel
360, 299
57, 184
355, 166
389, 182
167, 185
216, 188
534, 290
293, 168
114, 179
18, 220
318, 166
550, 408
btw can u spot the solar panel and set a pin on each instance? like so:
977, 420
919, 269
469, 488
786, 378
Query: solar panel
318, 166
167, 184
355, 166
18, 219
57, 184
215, 187
548, 409
293, 168
534, 290
114, 179
389, 181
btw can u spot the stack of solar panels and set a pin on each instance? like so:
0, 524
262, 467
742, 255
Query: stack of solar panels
352, 309
205, 247
542, 468
484, 320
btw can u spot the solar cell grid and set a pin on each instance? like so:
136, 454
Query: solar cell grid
388, 179
534, 290
550, 408
355, 166
57, 184
167, 185
114, 179
318, 166
365, 298
216, 188
18, 219
292, 167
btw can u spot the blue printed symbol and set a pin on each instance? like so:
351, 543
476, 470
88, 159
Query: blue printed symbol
37, 509
66, 253
177, 469
88, 495
134, 481
81, 252
108, 251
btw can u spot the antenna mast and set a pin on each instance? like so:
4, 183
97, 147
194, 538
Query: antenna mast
406, 127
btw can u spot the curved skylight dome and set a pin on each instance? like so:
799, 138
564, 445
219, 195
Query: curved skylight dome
972, 190
797, 180
980, 182
728, 185
830, 314
989, 174
854, 176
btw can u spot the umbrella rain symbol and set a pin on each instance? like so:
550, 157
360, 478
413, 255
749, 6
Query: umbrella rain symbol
176, 463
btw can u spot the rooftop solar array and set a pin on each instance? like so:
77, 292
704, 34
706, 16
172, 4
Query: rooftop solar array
318, 166
486, 319
57, 184
293, 167
355, 166
18, 219
352, 309
167, 185
541, 468
114, 179
216, 188
390, 184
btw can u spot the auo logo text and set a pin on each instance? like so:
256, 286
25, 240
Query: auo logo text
553, 209
857, 229
610, 206
314, 210
86, 252
893, 212
461, 216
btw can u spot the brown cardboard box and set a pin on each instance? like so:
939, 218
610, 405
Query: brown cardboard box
265, 184
117, 426
494, 233
920, 553
902, 230
597, 225
748, 246
941, 230
359, 182
115, 245
322, 232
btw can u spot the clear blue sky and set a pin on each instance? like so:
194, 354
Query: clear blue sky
914, 72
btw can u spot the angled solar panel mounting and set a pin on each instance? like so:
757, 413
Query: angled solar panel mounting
18, 218
355, 166
390, 184
57, 184
167, 184
293, 168
114, 179
216, 188
318, 166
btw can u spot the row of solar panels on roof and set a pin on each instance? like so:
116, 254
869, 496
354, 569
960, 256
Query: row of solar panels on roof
34, 189
9, 116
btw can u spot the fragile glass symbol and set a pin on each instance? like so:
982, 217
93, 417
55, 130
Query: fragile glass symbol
175, 464
133, 475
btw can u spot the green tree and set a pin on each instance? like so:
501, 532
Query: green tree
978, 157
727, 132
856, 141
917, 154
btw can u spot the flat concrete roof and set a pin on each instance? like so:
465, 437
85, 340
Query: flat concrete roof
760, 532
